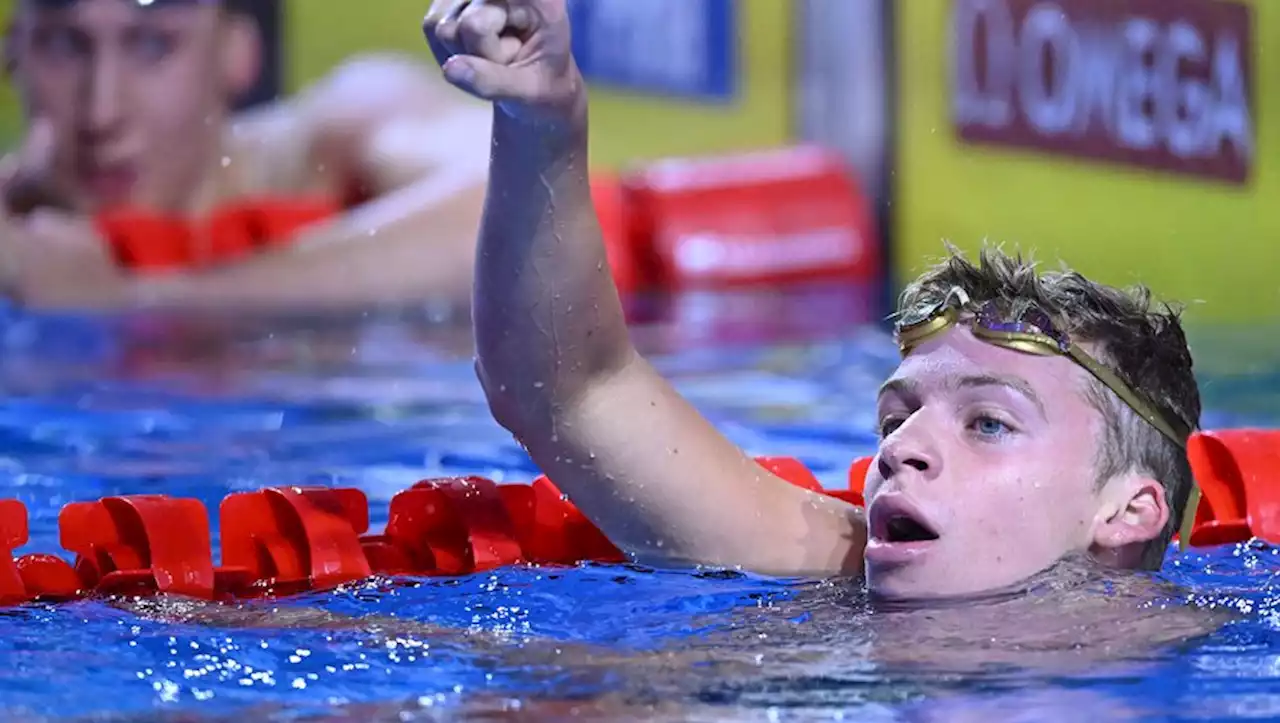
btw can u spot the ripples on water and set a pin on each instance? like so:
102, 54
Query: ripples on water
382, 403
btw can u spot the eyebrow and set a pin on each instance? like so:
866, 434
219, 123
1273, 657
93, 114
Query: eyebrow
910, 388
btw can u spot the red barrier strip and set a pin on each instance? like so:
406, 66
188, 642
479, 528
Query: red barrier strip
287, 540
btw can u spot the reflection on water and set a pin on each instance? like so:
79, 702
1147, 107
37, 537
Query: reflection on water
380, 400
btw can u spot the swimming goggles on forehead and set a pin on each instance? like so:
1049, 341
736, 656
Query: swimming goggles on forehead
1032, 331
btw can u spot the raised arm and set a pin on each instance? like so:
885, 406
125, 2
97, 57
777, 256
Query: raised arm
554, 355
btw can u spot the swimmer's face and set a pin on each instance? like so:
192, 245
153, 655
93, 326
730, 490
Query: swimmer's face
994, 452
136, 95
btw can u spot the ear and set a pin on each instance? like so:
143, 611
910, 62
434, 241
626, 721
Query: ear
1133, 512
241, 54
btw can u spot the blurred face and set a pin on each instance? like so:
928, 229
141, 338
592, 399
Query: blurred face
985, 474
134, 93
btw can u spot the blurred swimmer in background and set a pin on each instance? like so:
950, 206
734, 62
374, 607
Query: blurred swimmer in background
129, 106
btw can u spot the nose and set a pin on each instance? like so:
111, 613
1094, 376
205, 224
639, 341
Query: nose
910, 446
106, 101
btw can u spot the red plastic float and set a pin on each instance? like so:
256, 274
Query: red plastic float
13, 534
767, 217
296, 538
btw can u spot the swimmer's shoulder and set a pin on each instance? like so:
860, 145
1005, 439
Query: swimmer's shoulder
315, 140
266, 152
375, 85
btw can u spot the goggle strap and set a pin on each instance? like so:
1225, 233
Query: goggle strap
1189, 517
1025, 342
1122, 390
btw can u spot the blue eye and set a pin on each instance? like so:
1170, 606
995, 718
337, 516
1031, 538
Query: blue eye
989, 426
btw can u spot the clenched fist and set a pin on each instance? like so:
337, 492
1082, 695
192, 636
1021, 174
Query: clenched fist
516, 53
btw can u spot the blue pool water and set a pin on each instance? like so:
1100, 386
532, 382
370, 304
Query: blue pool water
94, 408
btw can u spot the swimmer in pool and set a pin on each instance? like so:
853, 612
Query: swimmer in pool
128, 105
1033, 418
1009, 474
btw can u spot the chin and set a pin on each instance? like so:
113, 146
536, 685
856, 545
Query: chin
906, 584
903, 584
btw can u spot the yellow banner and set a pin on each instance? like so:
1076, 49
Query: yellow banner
1137, 146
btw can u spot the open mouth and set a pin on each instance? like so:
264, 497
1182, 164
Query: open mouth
894, 520
904, 528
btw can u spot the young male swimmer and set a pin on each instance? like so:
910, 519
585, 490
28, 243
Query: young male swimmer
1032, 418
128, 103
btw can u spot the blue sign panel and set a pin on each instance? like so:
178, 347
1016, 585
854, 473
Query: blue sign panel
682, 48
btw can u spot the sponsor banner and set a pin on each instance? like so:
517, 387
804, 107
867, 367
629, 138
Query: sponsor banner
743, 84
682, 48
1159, 84
1132, 139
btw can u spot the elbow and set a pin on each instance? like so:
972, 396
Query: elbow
508, 408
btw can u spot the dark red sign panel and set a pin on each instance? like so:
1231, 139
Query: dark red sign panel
1161, 84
